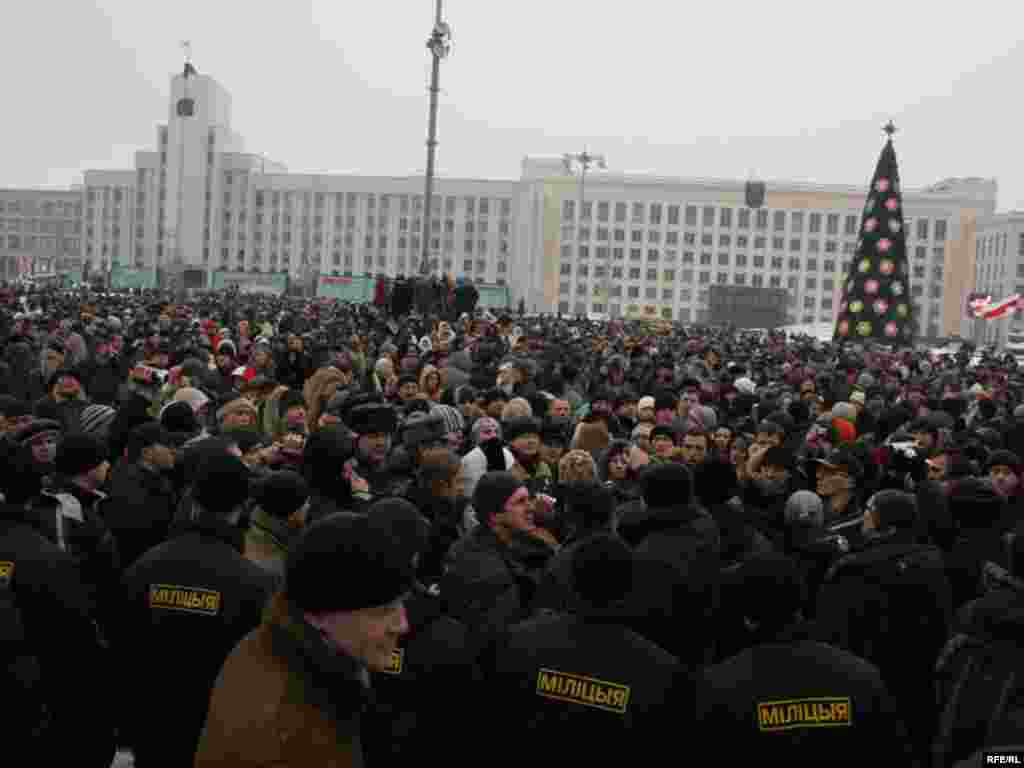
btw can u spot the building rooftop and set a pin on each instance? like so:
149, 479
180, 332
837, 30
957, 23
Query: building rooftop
550, 168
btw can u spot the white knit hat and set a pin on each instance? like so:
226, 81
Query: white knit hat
745, 386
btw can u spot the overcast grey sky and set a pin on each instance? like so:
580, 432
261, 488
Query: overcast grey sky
791, 89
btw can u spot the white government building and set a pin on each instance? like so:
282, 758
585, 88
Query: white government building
202, 208
999, 273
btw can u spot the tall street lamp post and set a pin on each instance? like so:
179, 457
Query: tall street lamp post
579, 165
440, 45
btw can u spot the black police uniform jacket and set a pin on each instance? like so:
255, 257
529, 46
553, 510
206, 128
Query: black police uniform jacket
186, 603
57, 637
676, 586
996, 619
140, 511
890, 604
408, 716
976, 542
797, 702
586, 686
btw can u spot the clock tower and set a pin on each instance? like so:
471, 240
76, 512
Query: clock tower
198, 136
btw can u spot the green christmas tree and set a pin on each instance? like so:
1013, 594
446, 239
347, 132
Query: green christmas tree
875, 304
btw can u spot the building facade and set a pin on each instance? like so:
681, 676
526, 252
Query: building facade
200, 204
199, 207
647, 246
40, 232
999, 273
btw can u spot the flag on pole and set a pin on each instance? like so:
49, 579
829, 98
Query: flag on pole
876, 290
993, 311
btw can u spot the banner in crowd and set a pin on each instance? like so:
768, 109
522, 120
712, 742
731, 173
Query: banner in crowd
272, 283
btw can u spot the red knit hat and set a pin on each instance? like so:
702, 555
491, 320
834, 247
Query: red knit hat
843, 432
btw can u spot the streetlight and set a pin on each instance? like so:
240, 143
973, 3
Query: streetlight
440, 46
580, 165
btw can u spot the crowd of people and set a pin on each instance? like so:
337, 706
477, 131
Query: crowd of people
251, 530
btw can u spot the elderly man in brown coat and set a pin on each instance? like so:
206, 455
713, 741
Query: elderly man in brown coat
294, 691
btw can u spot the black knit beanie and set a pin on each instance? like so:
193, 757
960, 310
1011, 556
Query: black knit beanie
179, 417
78, 453
222, 484
281, 493
667, 485
492, 491
349, 562
602, 570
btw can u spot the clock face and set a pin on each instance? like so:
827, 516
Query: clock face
186, 107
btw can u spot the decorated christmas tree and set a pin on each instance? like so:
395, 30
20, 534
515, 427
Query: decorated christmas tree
875, 303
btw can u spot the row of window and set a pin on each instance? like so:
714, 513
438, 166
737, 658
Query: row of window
276, 221
472, 206
686, 275
994, 246
107, 194
47, 208
32, 243
369, 241
583, 235
41, 226
602, 252
740, 259
256, 269
722, 278
727, 218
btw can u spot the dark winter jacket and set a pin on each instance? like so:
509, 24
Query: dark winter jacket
589, 688
890, 604
489, 584
195, 585
771, 700
140, 511
55, 617
434, 655
678, 559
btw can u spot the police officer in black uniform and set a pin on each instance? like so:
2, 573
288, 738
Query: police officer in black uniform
890, 603
186, 603
584, 686
434, 655
52, 666
790, 699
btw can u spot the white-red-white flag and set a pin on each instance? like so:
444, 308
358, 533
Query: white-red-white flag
1000, 308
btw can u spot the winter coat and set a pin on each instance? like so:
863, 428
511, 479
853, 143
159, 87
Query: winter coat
474, 466
140, 510
293, 368
196, 585
678, 559
773, 699
589, 688
489, 584
890, 604
434, 655
74, 519
55, 616
283, 698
